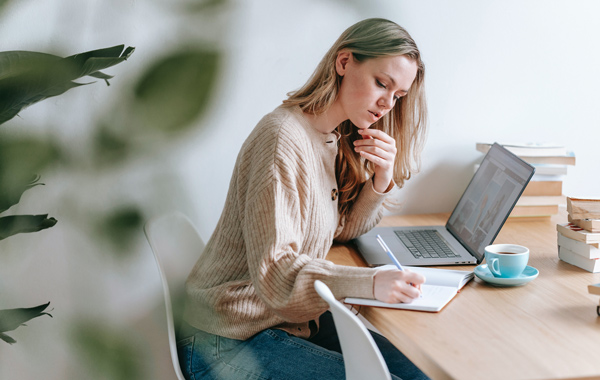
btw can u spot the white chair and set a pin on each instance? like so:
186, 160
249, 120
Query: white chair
362, 358
176, 246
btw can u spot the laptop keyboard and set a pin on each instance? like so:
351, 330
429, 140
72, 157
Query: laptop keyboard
425, 244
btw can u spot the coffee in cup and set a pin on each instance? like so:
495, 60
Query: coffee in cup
506, 260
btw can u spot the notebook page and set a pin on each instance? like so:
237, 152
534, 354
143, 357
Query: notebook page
433, 298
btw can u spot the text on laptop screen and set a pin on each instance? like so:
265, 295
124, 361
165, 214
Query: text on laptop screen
489, 198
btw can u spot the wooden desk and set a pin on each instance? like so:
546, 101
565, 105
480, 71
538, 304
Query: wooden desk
547, 329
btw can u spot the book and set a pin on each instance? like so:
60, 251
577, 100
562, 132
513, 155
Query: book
589, 251
568, 159
577, 233
544, 188
591, 265
533, 211
592, 225
583, 208
441, 287
541, 200
550, 169
548, 177
536, 206
529, 149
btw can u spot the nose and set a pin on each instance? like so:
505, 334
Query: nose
387, 102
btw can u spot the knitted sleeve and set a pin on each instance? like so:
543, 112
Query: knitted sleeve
284, 255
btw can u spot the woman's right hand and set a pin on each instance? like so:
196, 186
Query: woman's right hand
395, 286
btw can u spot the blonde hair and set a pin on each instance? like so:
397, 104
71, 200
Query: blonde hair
406, 122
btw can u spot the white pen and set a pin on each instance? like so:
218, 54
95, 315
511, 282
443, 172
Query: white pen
391, 255
389, 252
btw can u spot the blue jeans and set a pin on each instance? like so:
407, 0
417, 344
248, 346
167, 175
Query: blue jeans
277, 355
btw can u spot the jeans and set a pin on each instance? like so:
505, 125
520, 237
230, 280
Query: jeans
277, 355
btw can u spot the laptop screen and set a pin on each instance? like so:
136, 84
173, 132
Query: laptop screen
489, 198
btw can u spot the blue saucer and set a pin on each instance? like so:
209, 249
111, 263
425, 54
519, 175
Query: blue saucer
483, 272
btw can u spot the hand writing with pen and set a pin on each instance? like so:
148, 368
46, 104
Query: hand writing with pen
396, 285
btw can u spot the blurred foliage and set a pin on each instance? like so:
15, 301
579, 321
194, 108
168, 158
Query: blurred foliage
10, 319
28, 77
110, 146
203, 6
169, 97
176, 89
108, 353
121, 227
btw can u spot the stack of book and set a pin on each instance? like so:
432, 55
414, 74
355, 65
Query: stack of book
579, 240
543, 194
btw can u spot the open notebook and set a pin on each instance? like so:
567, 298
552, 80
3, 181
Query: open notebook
440, 287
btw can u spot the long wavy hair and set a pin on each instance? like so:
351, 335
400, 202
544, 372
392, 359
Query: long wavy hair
406, 122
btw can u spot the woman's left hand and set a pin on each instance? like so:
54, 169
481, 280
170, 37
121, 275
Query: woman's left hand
379, 148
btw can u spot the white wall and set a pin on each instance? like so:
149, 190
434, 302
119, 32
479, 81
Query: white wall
504, 71
496, 71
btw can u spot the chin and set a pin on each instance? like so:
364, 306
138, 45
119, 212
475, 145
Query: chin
362, 124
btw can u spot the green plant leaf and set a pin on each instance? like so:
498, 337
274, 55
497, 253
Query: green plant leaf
91, 62
28, 77
20, 158
11, 198
7, 339
10, 319
176, 89
16, 224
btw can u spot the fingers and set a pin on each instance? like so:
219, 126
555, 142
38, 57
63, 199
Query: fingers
376, 134
379, 145
378, 158
394, 286
380, 149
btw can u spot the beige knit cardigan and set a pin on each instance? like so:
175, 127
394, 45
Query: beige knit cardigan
279, 221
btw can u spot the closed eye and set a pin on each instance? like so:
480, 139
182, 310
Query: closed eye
380, 84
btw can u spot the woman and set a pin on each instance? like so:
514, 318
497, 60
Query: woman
317, 168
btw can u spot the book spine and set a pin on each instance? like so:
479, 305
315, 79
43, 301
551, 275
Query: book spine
583, 209
534, 211
550, 169
533, 200
543, 188
591, 225
591, 265
577, 233
589, 251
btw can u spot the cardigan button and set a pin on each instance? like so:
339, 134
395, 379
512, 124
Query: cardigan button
334, 194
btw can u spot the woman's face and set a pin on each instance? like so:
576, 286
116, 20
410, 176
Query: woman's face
370, 88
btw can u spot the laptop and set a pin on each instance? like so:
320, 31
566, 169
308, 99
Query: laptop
474, 223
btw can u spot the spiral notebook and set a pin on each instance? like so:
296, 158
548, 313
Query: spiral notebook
440, 287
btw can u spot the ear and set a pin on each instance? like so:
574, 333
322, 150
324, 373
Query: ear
341, 62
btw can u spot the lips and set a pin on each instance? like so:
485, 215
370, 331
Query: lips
376, 115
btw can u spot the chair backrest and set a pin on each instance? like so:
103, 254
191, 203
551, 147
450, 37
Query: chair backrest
362, 358
176, 246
